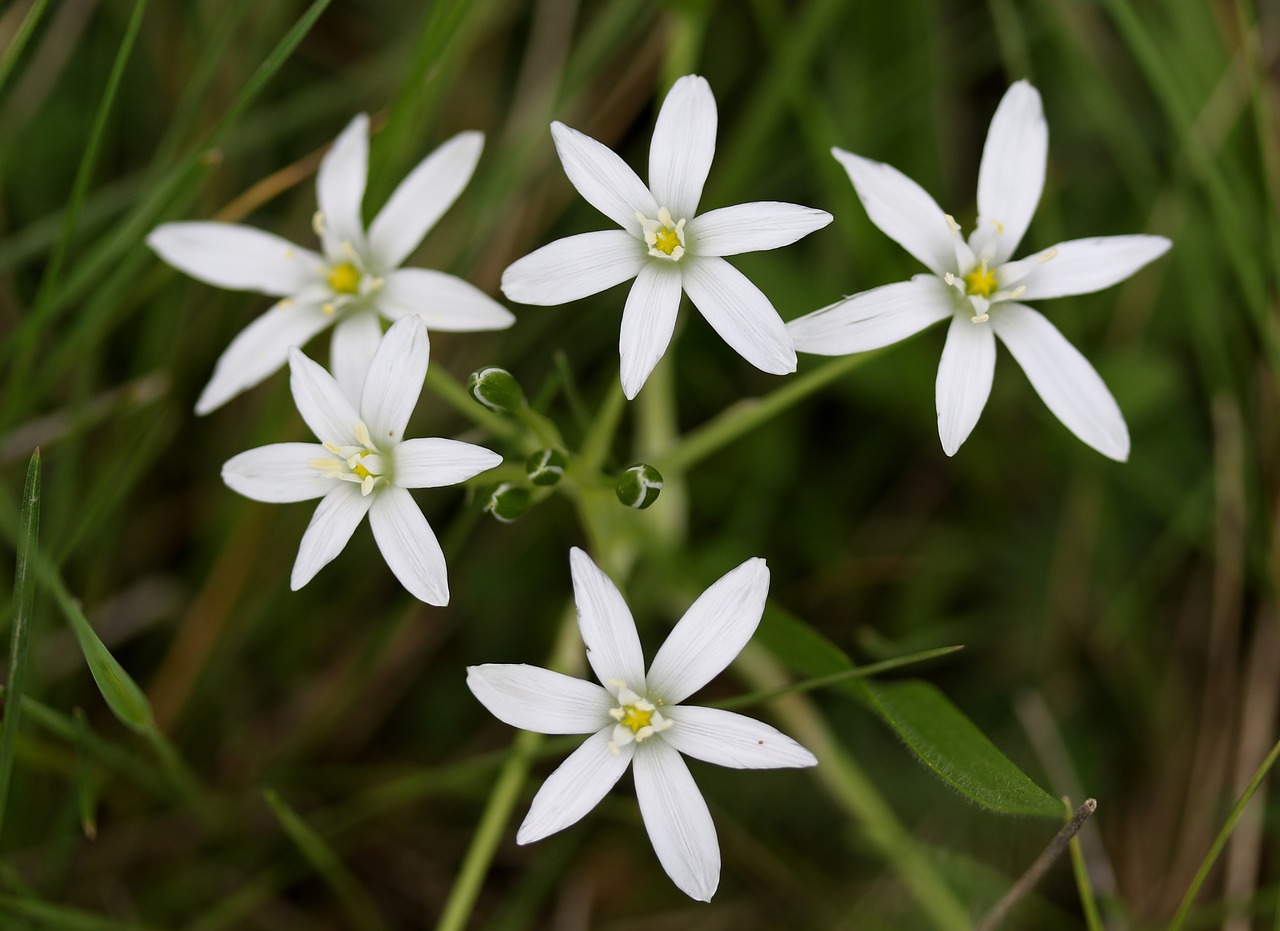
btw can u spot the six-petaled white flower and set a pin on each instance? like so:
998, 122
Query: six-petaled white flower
637, 718
664, 245
356, 279
363, 465
976, 286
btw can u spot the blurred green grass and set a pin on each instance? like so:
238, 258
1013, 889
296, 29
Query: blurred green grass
1119, 620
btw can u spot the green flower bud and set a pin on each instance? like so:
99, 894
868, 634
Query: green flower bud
546, 467
639, 485
509, 502
497, 389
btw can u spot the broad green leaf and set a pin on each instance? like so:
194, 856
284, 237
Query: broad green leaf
952, 746
24, 587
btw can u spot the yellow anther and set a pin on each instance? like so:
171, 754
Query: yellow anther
344, 279
329, 310
999, 227
981, 281
667, 240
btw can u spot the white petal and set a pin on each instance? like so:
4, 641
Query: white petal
340, 188
574, 267
964, 380
539, 700
902, 210
1011, 177
647, 323
676, 817
752, 227
333, 523
277, 473
444, 302
237, 257
733, 740
260, 349
436, 462
422, 198
603, 179
322, 404
394, 382
1082, 266
608, 630
873, 318
712, 632
576, 787
683, 144
408, 544
1064, 379
355, 340
740, 313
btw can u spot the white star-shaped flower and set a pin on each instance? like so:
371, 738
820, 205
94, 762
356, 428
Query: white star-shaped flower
664, 245
638, 718
976, 286
363, 465
356, 279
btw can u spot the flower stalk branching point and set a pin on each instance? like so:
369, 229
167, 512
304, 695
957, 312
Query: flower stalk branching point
978, 286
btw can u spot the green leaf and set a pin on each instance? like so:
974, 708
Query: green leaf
24, 587
122, 694
952, 746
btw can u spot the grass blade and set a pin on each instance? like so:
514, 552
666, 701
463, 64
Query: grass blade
24, 587
14, 51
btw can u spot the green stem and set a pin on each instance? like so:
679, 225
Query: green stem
14, 51
1184, 909
746, 415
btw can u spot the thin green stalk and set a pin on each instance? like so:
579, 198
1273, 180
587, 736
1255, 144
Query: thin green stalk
748, 414
1184, 909
1088, 904
24, 587
20, 39
34, 325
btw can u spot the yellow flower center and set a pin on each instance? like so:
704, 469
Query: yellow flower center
666, 239
344, 279
362, 464
635, 717
981, 281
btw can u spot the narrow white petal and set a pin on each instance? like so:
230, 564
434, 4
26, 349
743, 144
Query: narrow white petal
752, 227
322, 404
873, 318
444, 302
608, 630
277, 473
647, 323
1064, 379
340, 188
408, 544
422, 198
676, 817
734, 740
576, 787
436, 462
574, 267
539, 700
902, 209
1082, 266
335, 520
1011, 176
964, 380
355, 339
237, 257
394, 382
603, 179
260, 349
683, 144
740, 313
712, 632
